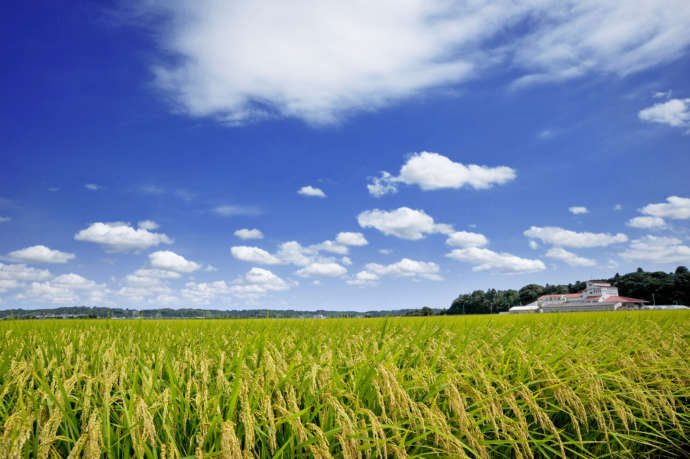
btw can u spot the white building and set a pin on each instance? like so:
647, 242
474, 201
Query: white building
597, 296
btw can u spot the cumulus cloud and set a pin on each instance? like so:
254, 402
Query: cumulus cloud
533, 244
488, 260
245, 233
309, 190
321, 60
93, 187
257, 282
432, 171
166, 259
364, 278
403, 222
41, 254
675, 207
663, 250
578, 210
254, 255
466, 239
227, 210
67, 288
120, 237
21, 272
675, 112
406, 268
569, 258
647, 222
148, 225
347, 238
346, 261
385, 251
317, 269
567, 238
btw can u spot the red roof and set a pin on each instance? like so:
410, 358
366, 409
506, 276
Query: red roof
624, 299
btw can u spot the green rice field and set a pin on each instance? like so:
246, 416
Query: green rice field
550, 385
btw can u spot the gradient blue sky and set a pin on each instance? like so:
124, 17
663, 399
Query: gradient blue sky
137, 140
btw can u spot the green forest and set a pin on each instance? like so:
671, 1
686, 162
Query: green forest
656, 287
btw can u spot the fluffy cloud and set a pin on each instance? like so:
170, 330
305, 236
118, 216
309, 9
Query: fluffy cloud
562, 237
355, 239
293, 252
675, 207
647, 222
533, 244
311, 191
254, 255
41, 254
363, 278
675, 112
570, 258
22, 272
227, 210
67, 288
328, 269
148, 225
120, 237
431, 171
245, 233
657, 250
165, 259
406, 268
488, 260
403, 222
577, 210
321, 60
466, 239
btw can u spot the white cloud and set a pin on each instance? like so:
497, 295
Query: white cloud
363, 278
67, 288
657, 250
578, 210
347, 238
675, 112
317, 269
466, 239
432, 171
148, 225
311, 191
570, 258
562, 237
245, 233
321, 60
21, 272
675, 207
403, 222
406, 268
488, 260
617, 207
165, 259
329, 246
41, 254
5, 219
533, 244
210, 269
227, 210
647, 222
157, 273
346, 261
293, 252
120, 236
93, 187
385, 251
254, 255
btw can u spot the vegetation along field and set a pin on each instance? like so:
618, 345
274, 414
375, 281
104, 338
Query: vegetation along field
570, 385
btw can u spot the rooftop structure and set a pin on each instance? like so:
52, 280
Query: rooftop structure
597, 296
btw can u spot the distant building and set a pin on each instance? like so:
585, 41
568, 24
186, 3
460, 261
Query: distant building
597, 296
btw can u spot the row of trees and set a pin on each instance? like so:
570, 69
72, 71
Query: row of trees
656, 287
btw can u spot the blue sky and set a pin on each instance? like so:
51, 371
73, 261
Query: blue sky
376, 157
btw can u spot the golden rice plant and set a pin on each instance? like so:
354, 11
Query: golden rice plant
550, 385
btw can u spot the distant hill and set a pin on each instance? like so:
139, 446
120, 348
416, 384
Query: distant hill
656, 287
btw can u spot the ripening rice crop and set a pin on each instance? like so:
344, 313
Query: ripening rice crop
561, 385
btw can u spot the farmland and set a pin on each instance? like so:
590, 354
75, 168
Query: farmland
571, 385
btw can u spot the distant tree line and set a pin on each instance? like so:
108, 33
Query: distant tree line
658, 287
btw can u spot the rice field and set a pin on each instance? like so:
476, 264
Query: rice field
551, 385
